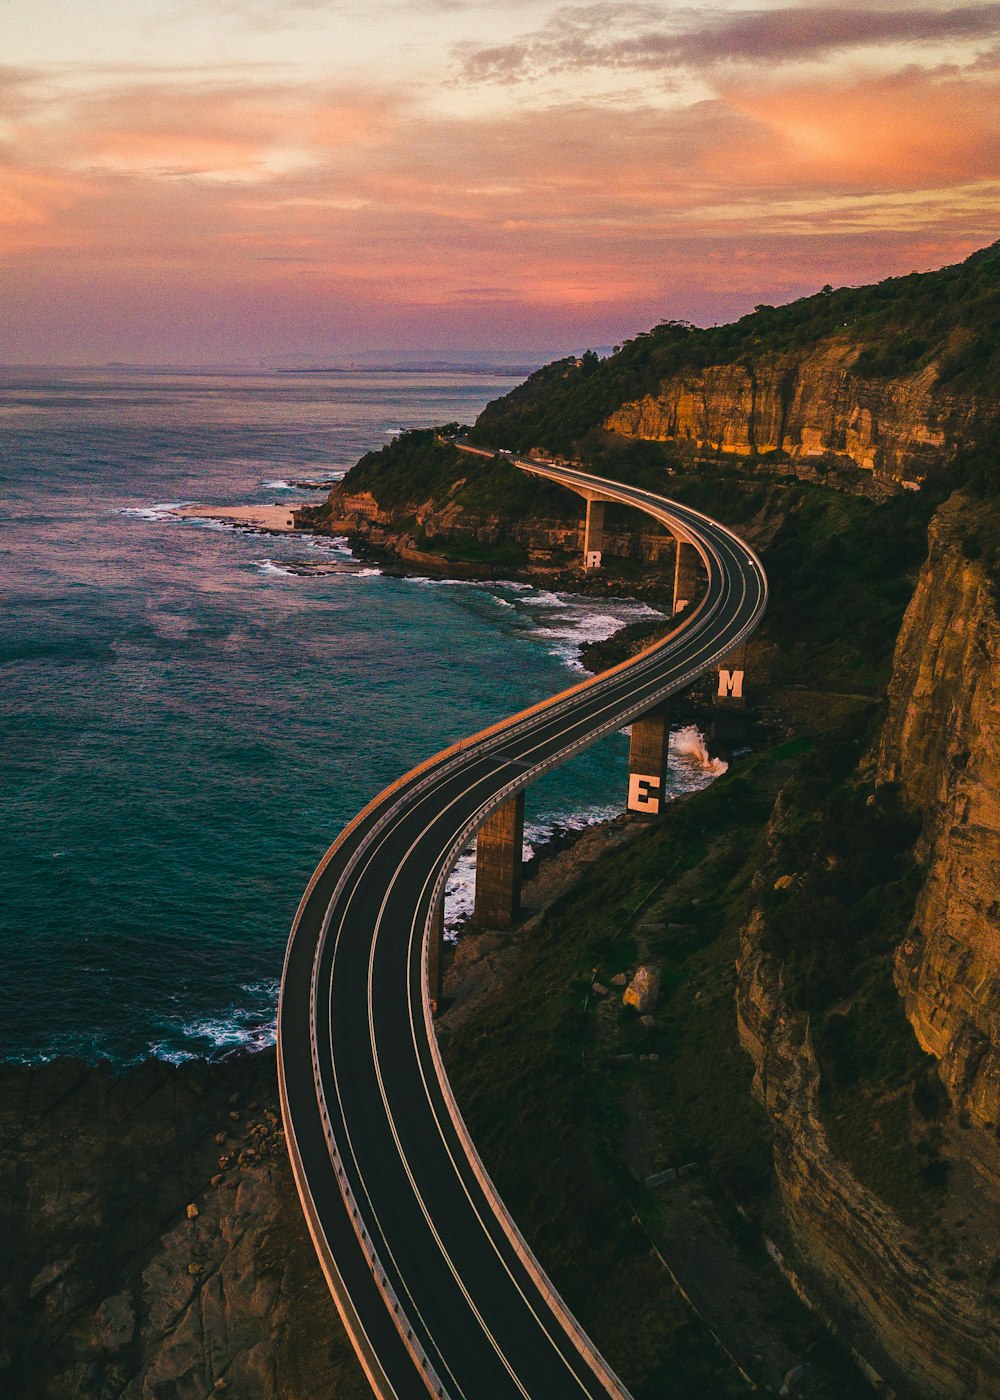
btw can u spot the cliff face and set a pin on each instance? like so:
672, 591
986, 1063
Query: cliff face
410, 533
906, 1313
806, 406
928, 1301
941, 743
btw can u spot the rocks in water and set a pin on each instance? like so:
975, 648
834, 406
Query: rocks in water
599, 989
116, 1322
648, 1021
192, 1211
620, 979
643, 990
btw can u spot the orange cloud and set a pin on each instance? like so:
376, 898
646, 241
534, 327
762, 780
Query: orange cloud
299, 207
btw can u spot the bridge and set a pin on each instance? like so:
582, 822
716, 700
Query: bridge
437, 1288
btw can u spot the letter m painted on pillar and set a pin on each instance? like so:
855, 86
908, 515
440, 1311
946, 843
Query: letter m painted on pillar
643, 794
730, 685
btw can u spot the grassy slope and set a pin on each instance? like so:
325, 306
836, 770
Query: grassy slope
547, 1102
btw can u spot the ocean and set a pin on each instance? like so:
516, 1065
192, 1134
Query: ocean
189, 718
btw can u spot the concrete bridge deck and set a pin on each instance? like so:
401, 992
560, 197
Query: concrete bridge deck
438, 1290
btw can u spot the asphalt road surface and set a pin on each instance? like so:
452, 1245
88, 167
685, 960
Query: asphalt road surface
437, 1290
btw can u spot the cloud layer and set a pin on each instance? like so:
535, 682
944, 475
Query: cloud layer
239, 212
626, 36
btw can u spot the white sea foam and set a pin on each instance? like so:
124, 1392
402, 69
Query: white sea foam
278, 485
268, 566
252, 1027
162, 510
576, 621
690, 766
460, 891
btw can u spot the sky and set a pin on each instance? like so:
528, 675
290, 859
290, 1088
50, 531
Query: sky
310, 181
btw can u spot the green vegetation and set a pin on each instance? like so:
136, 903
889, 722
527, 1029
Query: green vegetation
417, 469
555, 1114
949, 318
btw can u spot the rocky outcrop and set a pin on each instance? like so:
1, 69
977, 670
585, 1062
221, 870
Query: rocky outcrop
906, 1315
808, 407
923, 1306
154, 1246
941, 743
422, 534
643, 991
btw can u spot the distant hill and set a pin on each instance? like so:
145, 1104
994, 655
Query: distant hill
890, 378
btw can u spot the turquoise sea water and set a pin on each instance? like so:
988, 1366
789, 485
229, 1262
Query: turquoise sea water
186, 724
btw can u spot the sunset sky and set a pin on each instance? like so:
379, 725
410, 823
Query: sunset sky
237, 181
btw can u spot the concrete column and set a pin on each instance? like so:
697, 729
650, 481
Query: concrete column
647, 762
498, 865
435, 960
732, 672
593, 534
686, 579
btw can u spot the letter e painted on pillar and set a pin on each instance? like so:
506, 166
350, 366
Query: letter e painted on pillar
731, 684
643, 794
593, 559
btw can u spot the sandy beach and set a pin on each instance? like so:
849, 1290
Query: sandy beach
275, 519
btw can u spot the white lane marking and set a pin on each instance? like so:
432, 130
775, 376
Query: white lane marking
727, 585
544, 716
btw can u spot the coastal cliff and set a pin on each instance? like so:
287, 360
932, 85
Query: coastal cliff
869, 389
941, 744
907, 1272
810, 408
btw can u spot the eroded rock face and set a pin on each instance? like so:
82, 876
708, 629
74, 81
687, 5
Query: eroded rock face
888, 1295
941, 743
358, 515
643, 992
937, 1324
111, 1286
805, 405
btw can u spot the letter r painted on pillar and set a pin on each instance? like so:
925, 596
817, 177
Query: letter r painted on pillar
643, 794
731, 685
593, 559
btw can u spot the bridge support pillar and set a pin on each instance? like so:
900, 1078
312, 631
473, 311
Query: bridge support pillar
435, 960
732, 674
685, 574
498, 866
593, 534
647, 762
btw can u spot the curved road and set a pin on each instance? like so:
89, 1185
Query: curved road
437, 1289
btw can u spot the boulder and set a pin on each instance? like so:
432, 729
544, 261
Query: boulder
116, 1322
644, 989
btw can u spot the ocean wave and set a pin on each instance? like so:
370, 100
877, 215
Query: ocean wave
460, 890
162, 510
251, 1027
578, 622
327, 544
268, 566
690, 766
279, 484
